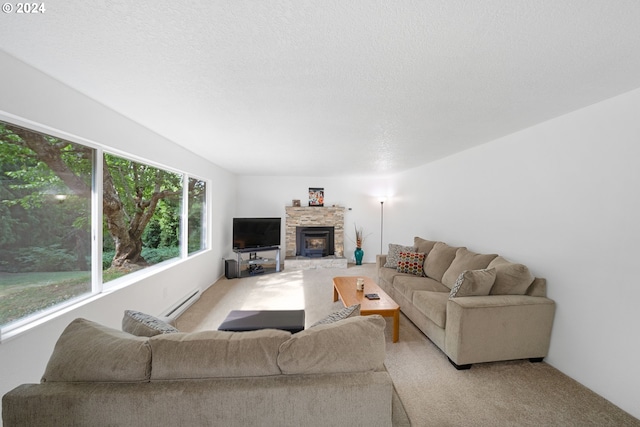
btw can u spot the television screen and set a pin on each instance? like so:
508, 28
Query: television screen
256, 232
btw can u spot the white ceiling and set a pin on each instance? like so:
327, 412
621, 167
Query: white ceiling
334, 87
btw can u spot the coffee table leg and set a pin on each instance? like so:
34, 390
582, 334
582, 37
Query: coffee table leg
335, 294
396, 325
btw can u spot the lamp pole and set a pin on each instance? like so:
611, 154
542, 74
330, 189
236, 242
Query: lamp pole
381, 223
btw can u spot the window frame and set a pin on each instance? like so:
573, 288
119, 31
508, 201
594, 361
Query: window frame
98, 288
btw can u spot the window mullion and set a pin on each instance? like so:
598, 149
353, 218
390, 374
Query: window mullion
96, 223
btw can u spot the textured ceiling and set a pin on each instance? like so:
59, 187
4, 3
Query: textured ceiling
334, 87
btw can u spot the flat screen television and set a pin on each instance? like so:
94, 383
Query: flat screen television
249, 233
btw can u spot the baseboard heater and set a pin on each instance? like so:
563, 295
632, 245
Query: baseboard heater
183, 304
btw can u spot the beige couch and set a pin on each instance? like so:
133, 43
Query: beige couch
328, 375
474, 307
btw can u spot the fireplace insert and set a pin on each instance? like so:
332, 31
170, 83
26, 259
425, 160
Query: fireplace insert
315, 242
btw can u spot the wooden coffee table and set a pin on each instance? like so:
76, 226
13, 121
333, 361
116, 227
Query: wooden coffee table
345, 288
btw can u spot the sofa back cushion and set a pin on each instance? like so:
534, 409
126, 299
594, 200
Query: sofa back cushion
87, 351
439, 260
213, 354
465, 260
422, 245
511, 278
355, 344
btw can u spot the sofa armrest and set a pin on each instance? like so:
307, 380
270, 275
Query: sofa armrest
498, 327
380, 261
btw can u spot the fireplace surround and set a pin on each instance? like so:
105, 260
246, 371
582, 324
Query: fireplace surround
319, 218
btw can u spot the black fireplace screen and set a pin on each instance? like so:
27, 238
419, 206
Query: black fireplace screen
314, 241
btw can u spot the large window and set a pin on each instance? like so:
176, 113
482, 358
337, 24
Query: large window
141, 206
46, 189
197, 197
45, 231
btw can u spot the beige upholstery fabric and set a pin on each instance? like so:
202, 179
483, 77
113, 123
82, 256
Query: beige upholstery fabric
422, 245
213, 354
498, 327
346, 399
351, 345
88, 351
407, 285
145, 325
439, 260
465, 260
474, 283
433, 305
390, 273
511, 279
538, 288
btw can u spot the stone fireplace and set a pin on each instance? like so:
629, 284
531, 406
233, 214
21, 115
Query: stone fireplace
314, 237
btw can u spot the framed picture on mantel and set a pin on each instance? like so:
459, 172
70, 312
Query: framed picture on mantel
316, 196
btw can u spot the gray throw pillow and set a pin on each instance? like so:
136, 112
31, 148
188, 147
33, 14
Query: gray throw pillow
465, 260
473, 283
145, 325
345, 313
394, 254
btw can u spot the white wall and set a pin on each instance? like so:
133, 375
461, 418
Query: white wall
267, 196
563, 198
30, 94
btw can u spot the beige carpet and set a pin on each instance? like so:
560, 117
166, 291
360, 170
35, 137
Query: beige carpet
516, 393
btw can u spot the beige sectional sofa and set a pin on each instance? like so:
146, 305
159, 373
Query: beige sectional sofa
474, 307
330, 374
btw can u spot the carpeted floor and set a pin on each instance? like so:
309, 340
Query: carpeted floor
516, 393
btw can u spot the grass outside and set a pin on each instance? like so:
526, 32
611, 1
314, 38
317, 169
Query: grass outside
22, 294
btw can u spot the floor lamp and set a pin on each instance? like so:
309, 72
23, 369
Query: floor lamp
381, 223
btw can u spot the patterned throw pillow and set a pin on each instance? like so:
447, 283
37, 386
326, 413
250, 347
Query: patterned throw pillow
351, 311
145, 325
394, 254
411, 262
473, 283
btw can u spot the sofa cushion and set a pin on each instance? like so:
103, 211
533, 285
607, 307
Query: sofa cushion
411, 263
511, 278
407, 285
389, 274
345, 313
355, 344
145, 325
465, 260
214, 354
394, 254
473, 283
439, 260
422, 245
89, 352
433, 305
